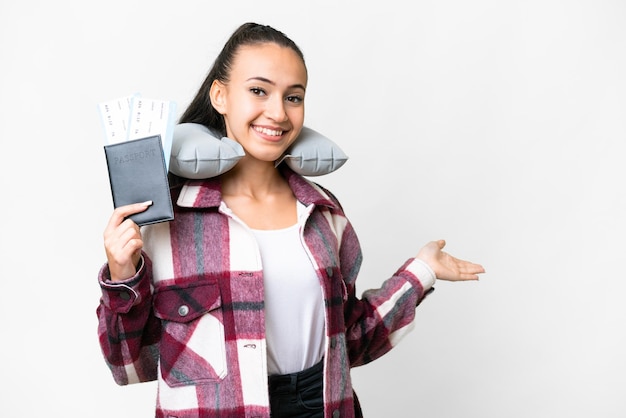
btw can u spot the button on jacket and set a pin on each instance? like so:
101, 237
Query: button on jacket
193, 315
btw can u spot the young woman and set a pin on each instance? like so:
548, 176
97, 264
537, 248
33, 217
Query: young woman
244, 305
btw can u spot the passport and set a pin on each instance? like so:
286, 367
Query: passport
138, 173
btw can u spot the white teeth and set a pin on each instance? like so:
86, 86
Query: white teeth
267, 131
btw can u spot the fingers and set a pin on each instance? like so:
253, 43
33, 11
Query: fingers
122, 212
123, 242
128, 238
469, 267
468, 270
470, 274
120, 230
446, 266
471, 271
451, 268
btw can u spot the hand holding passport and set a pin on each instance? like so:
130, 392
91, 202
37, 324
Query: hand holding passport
139, 137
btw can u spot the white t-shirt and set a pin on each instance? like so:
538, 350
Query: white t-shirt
294, 307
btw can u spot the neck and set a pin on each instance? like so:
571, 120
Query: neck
252, 178
259, 195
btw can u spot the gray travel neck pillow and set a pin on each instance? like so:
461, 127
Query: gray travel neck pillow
199, 153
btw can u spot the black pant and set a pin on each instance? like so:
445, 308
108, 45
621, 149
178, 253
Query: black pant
298, 395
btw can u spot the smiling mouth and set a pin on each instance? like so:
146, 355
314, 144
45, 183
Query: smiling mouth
268, 131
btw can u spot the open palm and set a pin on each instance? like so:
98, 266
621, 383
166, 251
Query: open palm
447, 267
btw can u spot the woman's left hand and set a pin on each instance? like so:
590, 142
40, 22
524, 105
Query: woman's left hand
447, 267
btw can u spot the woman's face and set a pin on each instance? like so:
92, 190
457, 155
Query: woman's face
263, 102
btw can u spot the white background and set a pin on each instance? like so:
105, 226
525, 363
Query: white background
497, 125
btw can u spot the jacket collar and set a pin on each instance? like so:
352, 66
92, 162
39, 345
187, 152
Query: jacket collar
207, 193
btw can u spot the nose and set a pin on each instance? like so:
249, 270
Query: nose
275, 109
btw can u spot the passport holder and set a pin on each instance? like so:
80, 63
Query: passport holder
137, 173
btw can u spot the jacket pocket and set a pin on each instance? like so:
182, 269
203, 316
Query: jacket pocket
192, 349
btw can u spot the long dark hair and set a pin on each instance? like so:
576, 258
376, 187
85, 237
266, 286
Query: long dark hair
200, 110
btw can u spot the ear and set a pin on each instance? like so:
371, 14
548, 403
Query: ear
218, 96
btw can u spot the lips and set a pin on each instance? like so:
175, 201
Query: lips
269, 134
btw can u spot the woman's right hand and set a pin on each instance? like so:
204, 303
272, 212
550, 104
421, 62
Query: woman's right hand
123, 242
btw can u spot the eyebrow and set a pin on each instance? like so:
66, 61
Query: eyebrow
265, 80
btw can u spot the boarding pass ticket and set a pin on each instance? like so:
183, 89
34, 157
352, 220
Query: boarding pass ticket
134, 117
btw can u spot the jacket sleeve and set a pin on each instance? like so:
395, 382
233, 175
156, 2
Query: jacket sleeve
128, 331
381, 317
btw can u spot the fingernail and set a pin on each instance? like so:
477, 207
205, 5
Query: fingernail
147, 203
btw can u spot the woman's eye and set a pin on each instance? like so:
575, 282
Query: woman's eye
257, 91
295, 99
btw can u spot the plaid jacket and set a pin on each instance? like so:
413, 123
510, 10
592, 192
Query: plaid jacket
193, 316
